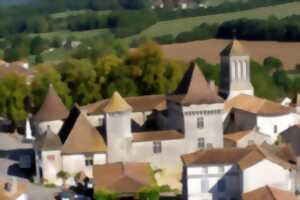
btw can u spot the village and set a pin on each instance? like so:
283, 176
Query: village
200, 142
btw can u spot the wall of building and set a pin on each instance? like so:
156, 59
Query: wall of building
22, 197
253, 138
76, 163
96, 120
212, 130
51, 164
213, 175
256, 176
266, 124
55, 126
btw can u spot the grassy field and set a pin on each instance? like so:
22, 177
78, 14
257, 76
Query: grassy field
186, 24
76, 34
77, 12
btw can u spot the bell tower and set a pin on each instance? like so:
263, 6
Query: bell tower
235, 71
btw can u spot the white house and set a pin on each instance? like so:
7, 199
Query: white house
245, 112
227, 173
76, 149
51, 113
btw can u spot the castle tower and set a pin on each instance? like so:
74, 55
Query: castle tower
118, 128
235, 71
201, 111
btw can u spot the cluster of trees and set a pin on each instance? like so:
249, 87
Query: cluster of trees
144, 71
285, 29
20, 47
269, 79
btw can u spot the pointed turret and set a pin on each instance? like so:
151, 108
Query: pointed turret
117, 104
194, 89
79, 136
48, 141
52, 108
234, 48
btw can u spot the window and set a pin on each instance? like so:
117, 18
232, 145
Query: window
209, 146
200, 122
157, 147
221, 185
201, 143
221, 169
89, 161
204, 186
275, 129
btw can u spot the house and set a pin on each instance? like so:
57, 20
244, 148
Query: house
77, 147
235, 71
230, 172
245, 138
125, 178
245, 112
51, 113
269, 193
13, 190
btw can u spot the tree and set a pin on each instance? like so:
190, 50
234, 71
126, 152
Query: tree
63, 175
57, 42
13, 93
39, 59
149, 193
46, 74
272, 63
105, 195
80, 77
38, 45
37, 25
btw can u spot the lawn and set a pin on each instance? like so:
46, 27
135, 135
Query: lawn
186, 24
77, 12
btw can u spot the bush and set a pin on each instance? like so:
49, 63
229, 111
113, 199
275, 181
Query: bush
105, 195
149, 193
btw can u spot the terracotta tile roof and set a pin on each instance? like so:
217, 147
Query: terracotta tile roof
283, 151
256, 105
122, 177
79, 136
157, 136
6, 69
18, 188
236, 136
234, 48
244, 157
194, 89
117, 104
268, 193
138, 104
52, 108
48, 141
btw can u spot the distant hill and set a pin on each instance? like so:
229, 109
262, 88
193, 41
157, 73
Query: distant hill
14, 2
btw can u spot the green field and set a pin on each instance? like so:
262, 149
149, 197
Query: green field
187, 24
76, 34
77, 12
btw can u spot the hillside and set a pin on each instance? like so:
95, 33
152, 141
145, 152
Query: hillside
187, 24
14, 2
209, 50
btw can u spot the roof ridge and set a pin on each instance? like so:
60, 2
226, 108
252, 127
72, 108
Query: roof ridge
271, 192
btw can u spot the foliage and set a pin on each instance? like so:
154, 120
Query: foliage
13, 90
272, 63
149, 193
105, 195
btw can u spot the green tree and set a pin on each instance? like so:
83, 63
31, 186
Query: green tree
105, 195
149, 193
272, 63
13, 92
80, 76
57, 42
46, 74
38, 45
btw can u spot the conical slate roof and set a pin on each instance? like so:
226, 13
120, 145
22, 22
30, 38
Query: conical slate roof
48, 141
79, 136
52, 108
234, 48
194, 89
117, 104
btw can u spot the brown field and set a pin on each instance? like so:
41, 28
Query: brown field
288, 53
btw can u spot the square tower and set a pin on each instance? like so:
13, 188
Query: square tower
235, 71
